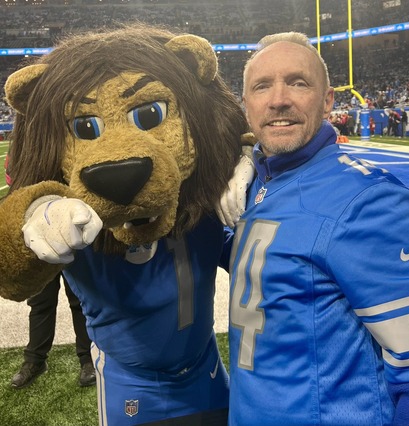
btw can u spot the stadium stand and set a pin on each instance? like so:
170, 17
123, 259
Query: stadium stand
380, 62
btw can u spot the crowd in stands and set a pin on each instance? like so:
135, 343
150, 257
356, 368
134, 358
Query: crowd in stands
238, 21
380, 75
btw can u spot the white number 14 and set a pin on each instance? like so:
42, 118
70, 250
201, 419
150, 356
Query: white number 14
247, 315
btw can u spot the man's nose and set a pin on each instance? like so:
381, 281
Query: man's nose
279, 96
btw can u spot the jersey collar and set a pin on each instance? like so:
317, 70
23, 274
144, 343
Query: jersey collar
270, 167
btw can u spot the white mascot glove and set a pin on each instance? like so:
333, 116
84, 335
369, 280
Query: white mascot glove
59, 226
233, 201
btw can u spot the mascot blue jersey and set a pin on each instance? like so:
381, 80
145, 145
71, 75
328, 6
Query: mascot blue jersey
156, 315
319, 316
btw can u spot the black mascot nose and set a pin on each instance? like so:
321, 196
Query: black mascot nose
118, 181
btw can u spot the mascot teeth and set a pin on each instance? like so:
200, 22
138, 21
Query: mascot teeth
137, 222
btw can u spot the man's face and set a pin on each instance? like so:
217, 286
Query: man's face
286, 97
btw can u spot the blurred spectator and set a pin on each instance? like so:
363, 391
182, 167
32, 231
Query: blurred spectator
371, 126
351, 125
394, 120
404, 121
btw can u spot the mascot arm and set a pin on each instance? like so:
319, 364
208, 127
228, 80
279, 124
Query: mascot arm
22, 273
233, 201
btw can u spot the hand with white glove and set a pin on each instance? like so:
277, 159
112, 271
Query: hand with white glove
233, 201
58, 226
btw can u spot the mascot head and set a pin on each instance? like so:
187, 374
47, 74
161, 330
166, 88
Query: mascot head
136, 122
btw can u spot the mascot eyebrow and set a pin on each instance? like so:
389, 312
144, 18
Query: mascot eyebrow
88, 101
127, 93
137, 86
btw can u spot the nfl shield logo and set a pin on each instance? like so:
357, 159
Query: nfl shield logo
131, 407
260, 195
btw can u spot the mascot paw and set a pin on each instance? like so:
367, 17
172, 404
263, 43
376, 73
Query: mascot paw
233, 201
58, 227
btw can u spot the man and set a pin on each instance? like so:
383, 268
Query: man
404, 122
351, 125
319, 324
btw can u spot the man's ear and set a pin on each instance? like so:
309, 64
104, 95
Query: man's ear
20, 84
243, 101
328, 102
197, 54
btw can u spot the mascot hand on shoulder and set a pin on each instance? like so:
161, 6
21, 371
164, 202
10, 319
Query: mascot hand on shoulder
123, 144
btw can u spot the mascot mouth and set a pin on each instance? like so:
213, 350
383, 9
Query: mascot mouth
139, 222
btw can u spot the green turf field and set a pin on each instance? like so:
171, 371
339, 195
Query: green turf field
54, 399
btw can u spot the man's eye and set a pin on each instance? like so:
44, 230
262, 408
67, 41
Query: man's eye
88, 127
300, 84
260, 86
148, 116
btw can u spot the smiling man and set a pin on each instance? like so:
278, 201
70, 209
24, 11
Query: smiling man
286, 99
319, 306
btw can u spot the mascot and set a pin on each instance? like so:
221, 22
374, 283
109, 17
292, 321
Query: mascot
123, 144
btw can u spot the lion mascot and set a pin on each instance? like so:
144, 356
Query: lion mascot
123, 144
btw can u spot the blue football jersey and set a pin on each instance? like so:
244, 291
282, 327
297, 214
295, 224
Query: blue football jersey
157, 315
319, 315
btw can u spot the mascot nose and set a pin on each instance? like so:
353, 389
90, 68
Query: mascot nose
118, 181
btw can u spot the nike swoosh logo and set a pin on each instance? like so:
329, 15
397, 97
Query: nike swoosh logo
214, 372
403, 256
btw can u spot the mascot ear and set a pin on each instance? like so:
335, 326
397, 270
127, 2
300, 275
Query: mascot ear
20, 84
197, 54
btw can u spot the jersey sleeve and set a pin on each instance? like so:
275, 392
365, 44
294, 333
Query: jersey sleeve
368, 256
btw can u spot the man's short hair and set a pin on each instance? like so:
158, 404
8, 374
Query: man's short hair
292, 37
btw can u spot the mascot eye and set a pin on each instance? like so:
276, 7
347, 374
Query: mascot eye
88, 127
148, 116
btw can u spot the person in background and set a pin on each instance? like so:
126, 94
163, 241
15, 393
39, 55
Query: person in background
319, 298
404, 121
351, 125
393, 123
372, 126
42, 322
